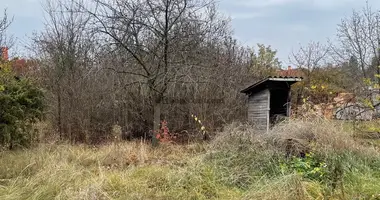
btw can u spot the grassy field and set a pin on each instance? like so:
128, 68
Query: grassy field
237, 164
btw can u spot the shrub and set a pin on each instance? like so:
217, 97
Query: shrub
320, 153
309, 167
21, 105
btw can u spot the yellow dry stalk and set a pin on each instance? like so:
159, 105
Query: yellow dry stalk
203, 128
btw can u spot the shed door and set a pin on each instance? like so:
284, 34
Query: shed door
258, 109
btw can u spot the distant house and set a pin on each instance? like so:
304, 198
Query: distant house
4, 53
268, 99
19, 66
290, 72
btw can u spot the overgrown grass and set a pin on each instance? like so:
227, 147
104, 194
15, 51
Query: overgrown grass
297, 160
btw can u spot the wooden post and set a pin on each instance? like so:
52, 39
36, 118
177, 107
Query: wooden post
268, 110
289, 106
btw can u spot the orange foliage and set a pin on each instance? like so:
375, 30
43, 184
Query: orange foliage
19, 66
163, 134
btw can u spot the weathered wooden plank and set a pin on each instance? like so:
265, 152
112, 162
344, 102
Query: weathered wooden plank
261, 117
258, 109
258, 102
268, 110
257, 114
253, 105
263, 112
261, 98
259, 121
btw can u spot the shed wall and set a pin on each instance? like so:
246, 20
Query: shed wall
258, 109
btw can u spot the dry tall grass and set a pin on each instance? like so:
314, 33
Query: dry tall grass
238, 164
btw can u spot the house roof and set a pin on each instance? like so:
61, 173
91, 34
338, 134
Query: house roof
290, 72
297, 72
271, 79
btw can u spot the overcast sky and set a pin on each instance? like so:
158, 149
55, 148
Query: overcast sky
283, 24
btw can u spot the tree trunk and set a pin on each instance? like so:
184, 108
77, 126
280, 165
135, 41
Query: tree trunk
156, 121
59, 112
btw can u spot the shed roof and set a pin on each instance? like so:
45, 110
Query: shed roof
271, 79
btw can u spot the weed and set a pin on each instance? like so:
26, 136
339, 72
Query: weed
238, 163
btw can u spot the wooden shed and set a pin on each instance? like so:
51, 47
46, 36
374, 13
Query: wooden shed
268, 99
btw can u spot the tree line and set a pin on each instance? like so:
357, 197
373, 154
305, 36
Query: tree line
102, 63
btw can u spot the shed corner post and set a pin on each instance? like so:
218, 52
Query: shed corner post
268, 110
289, 104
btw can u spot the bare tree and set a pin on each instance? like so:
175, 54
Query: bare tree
65, 48
5, 39
121, 62
161, 37
359, 38
310, 57
358, 51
